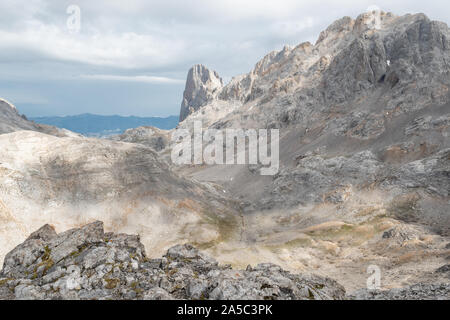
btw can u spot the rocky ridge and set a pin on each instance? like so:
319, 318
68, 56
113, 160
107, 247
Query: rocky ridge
402, 64
87, 263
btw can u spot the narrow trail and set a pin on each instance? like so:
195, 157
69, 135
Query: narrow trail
243, 226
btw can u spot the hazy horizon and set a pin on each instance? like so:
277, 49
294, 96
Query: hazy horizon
101, 115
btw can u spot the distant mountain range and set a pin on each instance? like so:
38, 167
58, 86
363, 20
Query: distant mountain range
97, 125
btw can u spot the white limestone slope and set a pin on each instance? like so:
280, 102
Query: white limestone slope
71, 181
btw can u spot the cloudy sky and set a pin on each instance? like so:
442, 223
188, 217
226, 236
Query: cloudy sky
131, 57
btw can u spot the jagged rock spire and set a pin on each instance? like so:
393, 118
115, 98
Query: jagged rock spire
202, 85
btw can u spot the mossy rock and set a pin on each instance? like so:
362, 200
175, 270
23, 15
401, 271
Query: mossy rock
111, 283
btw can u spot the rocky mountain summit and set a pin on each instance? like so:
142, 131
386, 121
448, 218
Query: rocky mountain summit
397, 67
202, 86
87, 263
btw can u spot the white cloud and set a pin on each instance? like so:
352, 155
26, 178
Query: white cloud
146, 34
145, 79
156, 34
125, 50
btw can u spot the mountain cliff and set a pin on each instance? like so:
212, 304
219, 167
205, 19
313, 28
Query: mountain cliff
364, 120
202, 86
370, 101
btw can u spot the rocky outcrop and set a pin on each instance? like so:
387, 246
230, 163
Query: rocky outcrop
10, 119
152, 137
444, 269
202, 85
87, 263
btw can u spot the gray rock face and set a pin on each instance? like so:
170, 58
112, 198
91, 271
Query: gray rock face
202, 85
444, 269
11, 120
88, 263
